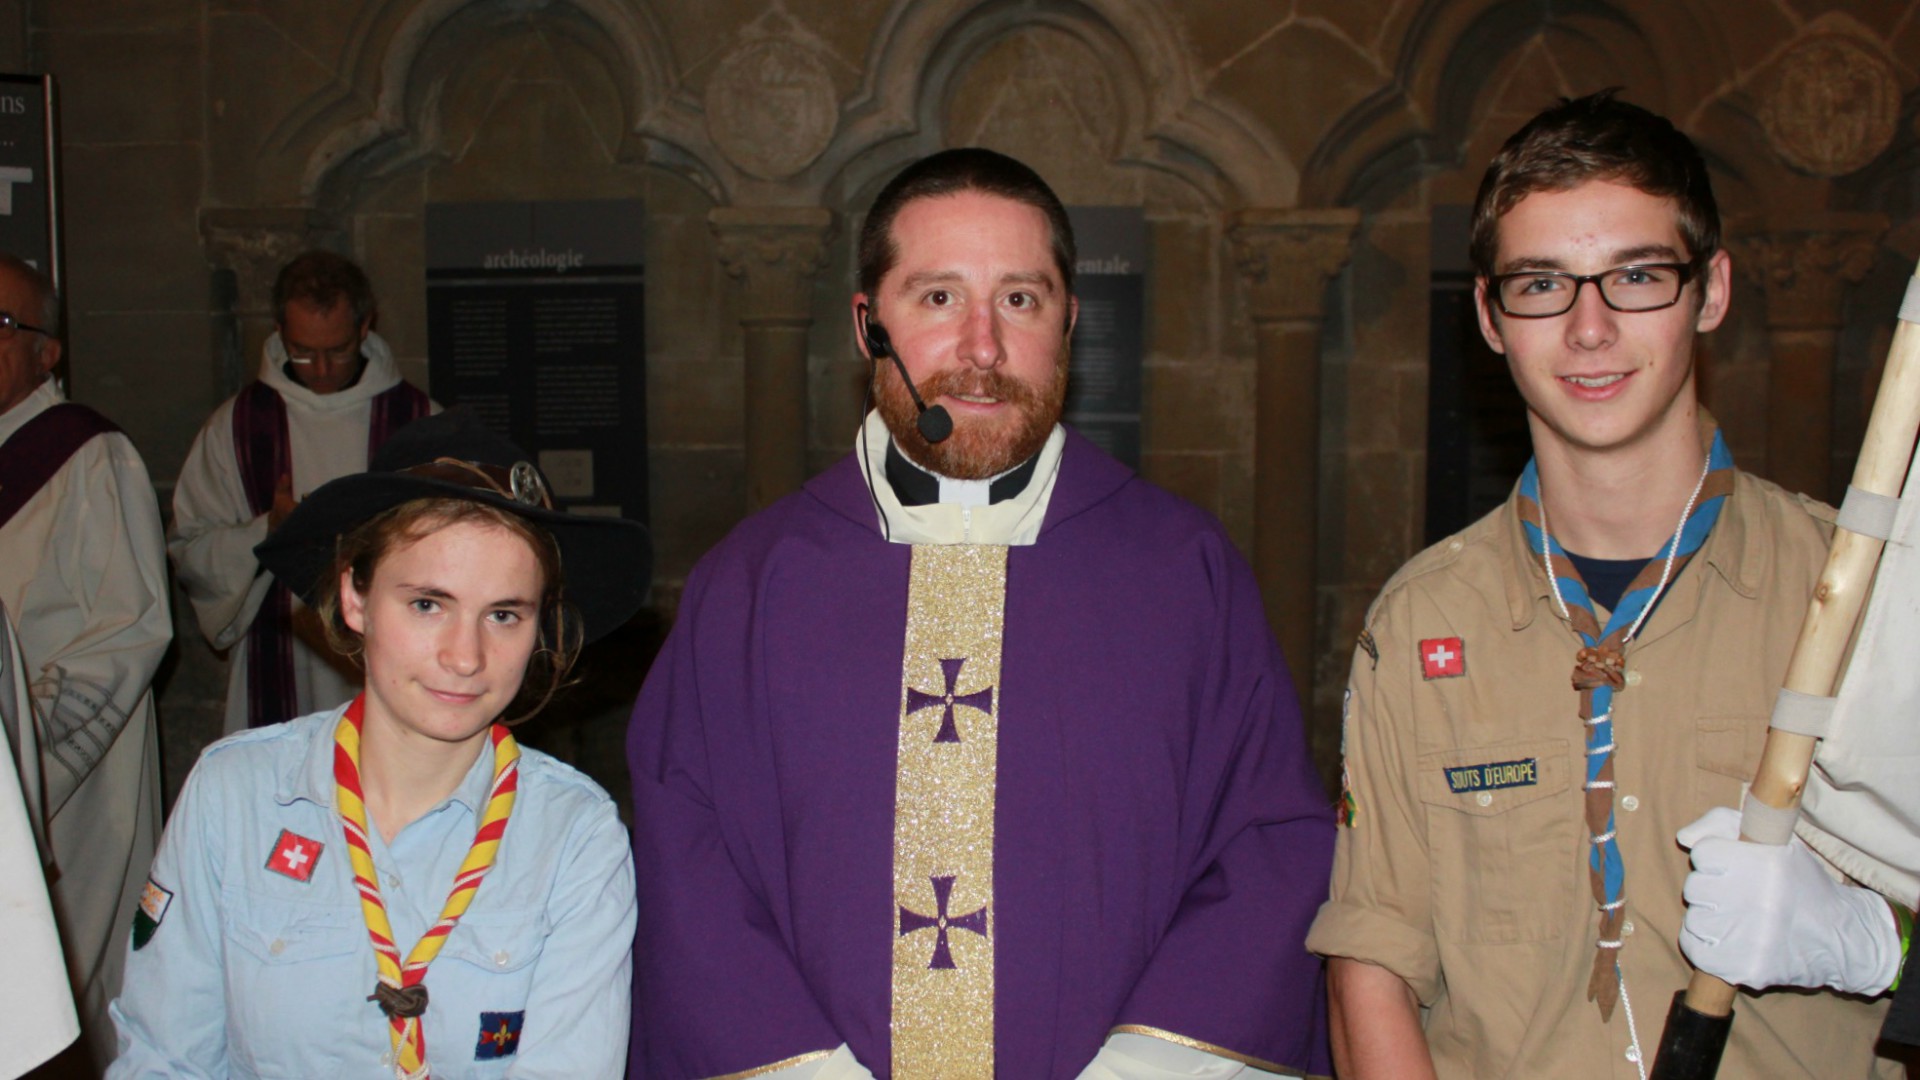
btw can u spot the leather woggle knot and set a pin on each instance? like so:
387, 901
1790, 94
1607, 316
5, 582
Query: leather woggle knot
398, 1002
1598, 665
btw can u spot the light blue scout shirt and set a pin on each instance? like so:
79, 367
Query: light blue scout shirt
239, 968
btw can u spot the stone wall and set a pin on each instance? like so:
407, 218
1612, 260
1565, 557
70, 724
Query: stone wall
1289, 157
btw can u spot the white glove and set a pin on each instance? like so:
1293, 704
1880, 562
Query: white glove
1761, 915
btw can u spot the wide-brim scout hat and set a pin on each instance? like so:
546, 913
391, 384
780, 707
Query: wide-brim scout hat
607, 562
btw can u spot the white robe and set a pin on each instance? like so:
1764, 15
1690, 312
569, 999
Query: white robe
83, 571
215, 528
35, 996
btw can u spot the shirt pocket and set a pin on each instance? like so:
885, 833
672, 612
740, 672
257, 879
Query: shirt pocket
1502, 845
1726, 751
293, 971
483, 978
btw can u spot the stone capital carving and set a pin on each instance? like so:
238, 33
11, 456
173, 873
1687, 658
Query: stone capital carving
774, 252
255, 243
1805, 264
1287, 256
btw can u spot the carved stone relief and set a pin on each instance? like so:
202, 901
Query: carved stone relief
1832, 106
771, 108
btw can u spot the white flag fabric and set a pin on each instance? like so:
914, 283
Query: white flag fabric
35, 997
1861, 807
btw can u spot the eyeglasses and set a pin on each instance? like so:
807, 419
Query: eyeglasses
1542, 294
10, 326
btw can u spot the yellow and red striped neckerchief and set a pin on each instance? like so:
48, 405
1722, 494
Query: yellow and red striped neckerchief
408, 1033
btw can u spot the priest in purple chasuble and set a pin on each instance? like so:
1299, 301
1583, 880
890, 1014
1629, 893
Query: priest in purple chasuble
975, 757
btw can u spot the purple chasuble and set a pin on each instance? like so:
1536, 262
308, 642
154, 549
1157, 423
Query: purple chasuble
1161, 841
263, 449
40, 447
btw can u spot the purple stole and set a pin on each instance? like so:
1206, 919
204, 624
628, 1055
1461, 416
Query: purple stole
40, 448
263, 449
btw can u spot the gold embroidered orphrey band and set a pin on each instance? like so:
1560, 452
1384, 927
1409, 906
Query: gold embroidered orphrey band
943, 814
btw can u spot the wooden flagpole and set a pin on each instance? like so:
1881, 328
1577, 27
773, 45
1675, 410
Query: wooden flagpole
1701, 1016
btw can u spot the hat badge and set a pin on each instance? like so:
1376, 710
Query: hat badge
528, 488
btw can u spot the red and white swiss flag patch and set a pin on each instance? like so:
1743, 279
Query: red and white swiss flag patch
294, 855
1443, 658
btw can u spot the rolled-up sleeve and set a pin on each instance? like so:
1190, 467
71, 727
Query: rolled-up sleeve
1379, 908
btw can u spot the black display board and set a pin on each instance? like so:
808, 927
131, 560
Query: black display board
535, 321
29, 214
1109, 341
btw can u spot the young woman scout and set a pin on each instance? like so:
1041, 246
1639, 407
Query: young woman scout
395, 886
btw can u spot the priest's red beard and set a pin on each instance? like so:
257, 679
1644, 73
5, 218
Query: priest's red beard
978, 448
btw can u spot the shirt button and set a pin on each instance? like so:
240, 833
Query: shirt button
277, 947
393, 881
386, 1057
1630, 803
1626, 928
501, 958
1454, 546
1633, 1053
1633, 677
1485, 798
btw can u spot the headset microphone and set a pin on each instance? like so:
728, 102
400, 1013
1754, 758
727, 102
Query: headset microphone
935, 423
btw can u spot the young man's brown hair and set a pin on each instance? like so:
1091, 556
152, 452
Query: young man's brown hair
1597, 137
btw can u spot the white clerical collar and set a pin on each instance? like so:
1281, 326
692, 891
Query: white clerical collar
965, 492
966, 512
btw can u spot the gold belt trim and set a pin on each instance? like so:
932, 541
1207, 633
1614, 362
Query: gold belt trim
943, 814
763, 1070
1217, 1051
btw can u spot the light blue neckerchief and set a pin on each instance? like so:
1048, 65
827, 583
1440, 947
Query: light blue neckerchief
1600, 671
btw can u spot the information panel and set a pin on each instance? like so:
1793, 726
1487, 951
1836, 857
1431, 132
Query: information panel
535, 322
1109, 341
29, 223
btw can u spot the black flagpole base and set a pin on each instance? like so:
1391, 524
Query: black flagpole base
1691, 1046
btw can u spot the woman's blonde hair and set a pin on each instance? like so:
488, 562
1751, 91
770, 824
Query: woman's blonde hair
360, 550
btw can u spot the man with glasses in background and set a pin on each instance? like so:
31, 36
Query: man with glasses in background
1540, 702
327, 396
84, 577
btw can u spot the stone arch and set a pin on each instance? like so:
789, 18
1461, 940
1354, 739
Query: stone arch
1422, 121
1167, 121
405, 72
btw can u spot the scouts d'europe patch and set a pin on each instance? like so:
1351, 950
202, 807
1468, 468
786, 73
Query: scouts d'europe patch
499, 1034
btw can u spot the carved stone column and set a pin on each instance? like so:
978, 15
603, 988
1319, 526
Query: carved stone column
1805, 262
1287, 258
773, 253
249, 245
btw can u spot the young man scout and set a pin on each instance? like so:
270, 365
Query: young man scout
974, 757
1507, 860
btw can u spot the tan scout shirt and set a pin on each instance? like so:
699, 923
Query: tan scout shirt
1473, 885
